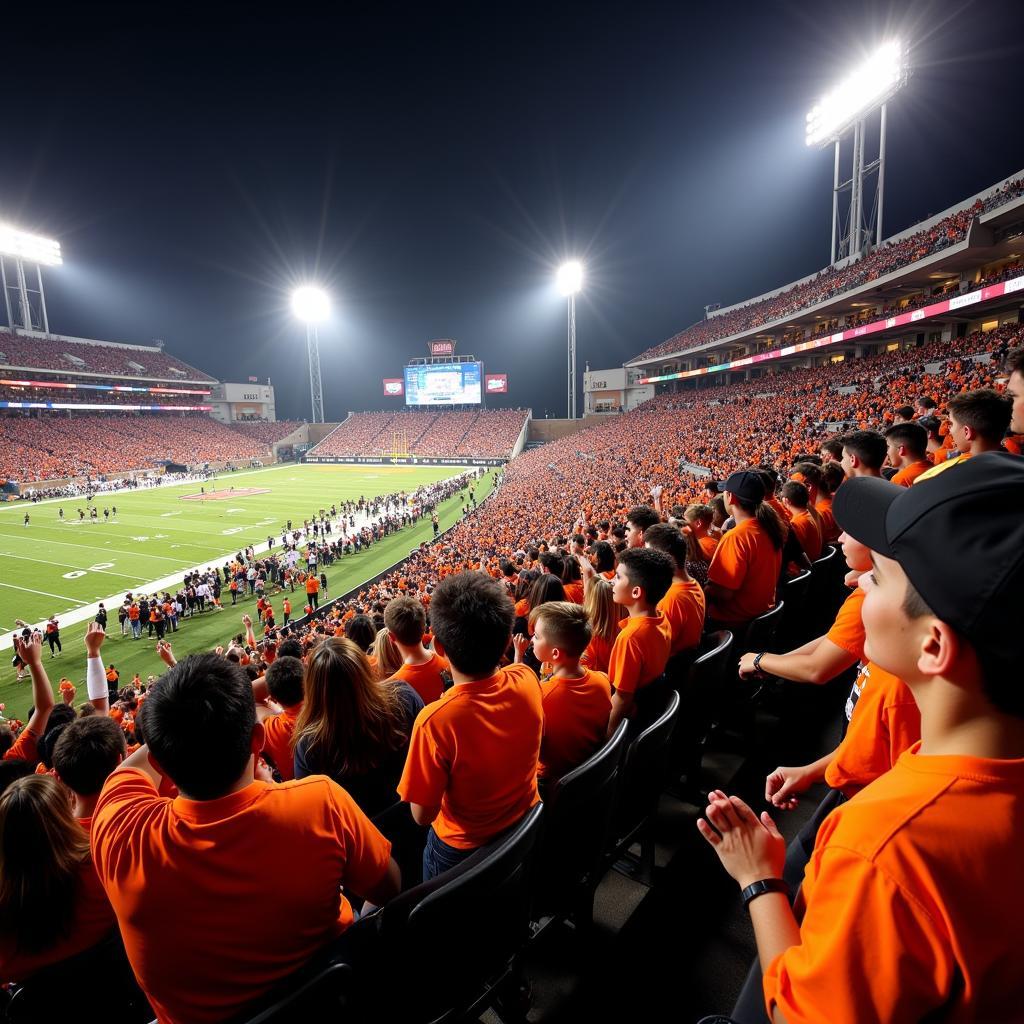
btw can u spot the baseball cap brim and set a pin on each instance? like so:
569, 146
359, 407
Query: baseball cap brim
860, 507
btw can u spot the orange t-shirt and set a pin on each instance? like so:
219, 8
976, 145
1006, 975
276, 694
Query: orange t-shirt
708, 546
599, 652
847, 630
683, 608
912, 911
474, 754
746, 563
574, 591
425, 679
883, 722
25, 747
829, 527
640, 652
905, 477
92, 920
808, 534
312, 585
575, 721
189, 883
278, 730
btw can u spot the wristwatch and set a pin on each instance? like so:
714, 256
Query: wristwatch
759, 888
757, 661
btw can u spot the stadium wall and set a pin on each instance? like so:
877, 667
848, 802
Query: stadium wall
542, 431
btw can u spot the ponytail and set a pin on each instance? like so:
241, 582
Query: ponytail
770, 521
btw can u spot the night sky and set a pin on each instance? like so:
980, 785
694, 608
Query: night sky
432, 164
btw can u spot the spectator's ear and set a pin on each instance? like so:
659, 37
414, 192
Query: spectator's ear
438, 647
258, 738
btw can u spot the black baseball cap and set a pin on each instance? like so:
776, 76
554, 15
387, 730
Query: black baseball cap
746, 484
958, 536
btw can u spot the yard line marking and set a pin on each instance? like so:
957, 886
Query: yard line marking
120, 551
43, 593
68, 565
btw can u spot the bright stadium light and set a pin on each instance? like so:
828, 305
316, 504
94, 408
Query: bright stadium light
868, 87
29, 248
311, 304
570, 277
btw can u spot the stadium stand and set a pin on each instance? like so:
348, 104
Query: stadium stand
834, 281
489, 433
135, 362
265, 433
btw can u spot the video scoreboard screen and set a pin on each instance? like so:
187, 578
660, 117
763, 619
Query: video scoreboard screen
443, 384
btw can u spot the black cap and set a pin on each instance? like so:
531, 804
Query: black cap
958, 536
745, 484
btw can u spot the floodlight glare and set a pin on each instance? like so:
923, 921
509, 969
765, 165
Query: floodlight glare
30, 248
570, 277
871, 85
311, 304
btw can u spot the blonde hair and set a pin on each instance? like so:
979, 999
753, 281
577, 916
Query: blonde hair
389, 658
350, 719
42, 848
565, 624
600, 608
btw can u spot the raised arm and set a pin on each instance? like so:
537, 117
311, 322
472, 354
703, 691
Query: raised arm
31, 653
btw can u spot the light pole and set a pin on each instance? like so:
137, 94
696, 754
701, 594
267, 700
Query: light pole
570, 280
311, 305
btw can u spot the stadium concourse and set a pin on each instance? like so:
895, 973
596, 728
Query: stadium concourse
713, 586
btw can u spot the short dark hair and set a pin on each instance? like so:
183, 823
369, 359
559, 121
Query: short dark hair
650, 570
290, 648
912, 435
867, 445
811, 472
832, 476
987, 412
566, 625
406, 619
604, 555
796, 494
662, 537
199, 724
284, 680
361, 632
904, 411
643, 516
926, 402
834, 446
472, 618
88, 750
1015, 361
553, 563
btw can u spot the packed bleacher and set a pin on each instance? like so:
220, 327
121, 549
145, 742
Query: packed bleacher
489, 433
834, 280
124, 361
472, 742
54, 446
266, 434
15, 393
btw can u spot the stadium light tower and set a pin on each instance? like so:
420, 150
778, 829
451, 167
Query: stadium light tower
570, 281
847, 108
312, 306
18, 248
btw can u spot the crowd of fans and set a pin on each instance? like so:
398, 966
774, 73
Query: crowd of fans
489, 433
503, 655
116, 360
53, 446
10, 393
267, 434
833, 280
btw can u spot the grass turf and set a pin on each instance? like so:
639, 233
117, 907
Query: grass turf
158, 534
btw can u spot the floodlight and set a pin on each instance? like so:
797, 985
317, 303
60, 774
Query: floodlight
570, 277
311, 304
30, 248
868, 87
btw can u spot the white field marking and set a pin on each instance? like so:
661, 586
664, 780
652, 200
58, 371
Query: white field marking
119, 551
230, 510
89, 612
67, 565
43, 593
164, 515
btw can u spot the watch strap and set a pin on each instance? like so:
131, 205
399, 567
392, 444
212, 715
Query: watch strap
764, 885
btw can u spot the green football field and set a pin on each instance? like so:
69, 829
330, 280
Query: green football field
53, 567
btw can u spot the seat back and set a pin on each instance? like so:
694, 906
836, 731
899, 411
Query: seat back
578, 812
455, 933
407, 840
644, 770
312, 994
698, 696
793, 630
761, 633
826, 590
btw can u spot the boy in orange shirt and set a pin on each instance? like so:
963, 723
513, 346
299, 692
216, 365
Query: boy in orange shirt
909, 877
907, 445
471, 772
641, 650
282, 683
425, 671
187, 878
577, 700
683, 605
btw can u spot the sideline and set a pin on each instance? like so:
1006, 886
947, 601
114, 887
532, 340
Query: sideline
112, 603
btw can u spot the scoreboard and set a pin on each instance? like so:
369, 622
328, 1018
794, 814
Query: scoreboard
443, 384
